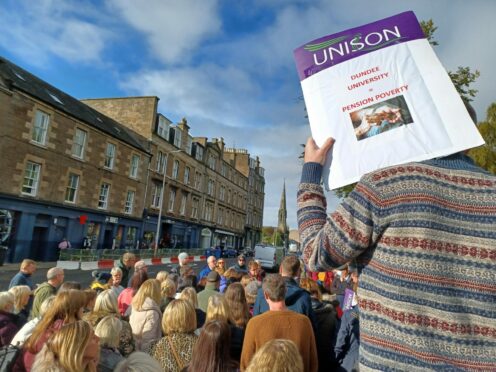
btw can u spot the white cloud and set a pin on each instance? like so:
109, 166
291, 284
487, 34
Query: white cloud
174, 28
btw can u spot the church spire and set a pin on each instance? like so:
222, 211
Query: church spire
282, 226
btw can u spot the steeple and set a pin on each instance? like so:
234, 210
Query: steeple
282, 226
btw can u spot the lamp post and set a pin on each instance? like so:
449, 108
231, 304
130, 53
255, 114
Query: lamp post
159, 221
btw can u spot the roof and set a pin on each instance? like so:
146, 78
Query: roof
37, 88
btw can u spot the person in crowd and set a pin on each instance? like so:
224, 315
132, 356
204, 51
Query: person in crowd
64, 244
108, 331
67, 286
28, 328
245, 279
325, 324
211, 352
348, 340
418, 229
138, 362
91, 295
168, 292
183, 261
74, 347
23, 277
297, 299
324, 279
189, 294
185, 282
174, 350
239, 312
116, 282
251, 291
22, 294
278, 355
126, 263
279, 322
211, 288
255, 271
55, 277
161, 276
102, 281
240, 266
8, 320
139, 266
218, 310
106, 305
232, 276
126, 296
145, 315
341, 282
66, 308
221, 270
211, 264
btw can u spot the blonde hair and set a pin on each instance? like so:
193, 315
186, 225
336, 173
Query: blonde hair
217, 309
161, 276
149, 289
106, 302
20, 292
6, 298
168, 288
109, 330
116, 270
65, 349
45, 305
26, 262
277, 355
179, 317
138, 362
189, 294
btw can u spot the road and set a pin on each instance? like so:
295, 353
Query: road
84, 276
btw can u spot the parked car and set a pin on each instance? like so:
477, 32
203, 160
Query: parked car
230, 252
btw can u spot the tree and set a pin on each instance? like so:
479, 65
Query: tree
485, 156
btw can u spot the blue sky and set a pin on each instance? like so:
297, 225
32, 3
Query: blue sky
225, 65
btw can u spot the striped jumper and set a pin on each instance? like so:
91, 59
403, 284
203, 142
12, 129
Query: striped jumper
424, 236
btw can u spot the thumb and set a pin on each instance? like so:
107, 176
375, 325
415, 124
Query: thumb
327, 145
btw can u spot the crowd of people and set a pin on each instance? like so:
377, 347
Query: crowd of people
224, 319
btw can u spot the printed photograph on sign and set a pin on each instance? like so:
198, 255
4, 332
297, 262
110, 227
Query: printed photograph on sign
380, 117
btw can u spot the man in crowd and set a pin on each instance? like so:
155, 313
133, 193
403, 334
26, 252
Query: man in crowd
211, 288
297, 299
211, 263
23, 277
55, 277
240, 266
183, 261
279, 322
125, 264
424, 237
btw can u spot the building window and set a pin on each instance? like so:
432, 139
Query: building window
161, 162
133, 171
194, 208
72, 186
157, 195
79, 143
207, 215
128, 207
186, 175
198, 181
220, 216
211, 187
222, 193
104, 194
31, 178
177, 137
199, 153
163, 128
189, 144
172, 199
109, 156
182, 208
40, 127
211, 162
175, 169
223, 169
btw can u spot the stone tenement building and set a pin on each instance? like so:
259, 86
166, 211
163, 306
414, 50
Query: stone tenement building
106, 169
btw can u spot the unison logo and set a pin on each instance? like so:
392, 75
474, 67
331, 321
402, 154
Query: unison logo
344, 45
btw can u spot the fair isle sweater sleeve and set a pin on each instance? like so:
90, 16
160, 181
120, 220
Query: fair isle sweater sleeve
330, 241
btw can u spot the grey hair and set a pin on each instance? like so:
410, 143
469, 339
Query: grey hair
53, 272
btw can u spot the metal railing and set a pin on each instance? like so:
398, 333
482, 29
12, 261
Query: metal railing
88, 255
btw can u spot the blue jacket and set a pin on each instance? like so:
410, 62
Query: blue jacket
205, 271
21, 279
348, 340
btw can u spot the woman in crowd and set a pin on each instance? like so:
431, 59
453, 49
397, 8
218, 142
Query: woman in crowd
245, 279
239, 313
105, 305
255, 271
161, 276
74, 347
173, 351
21, 299
126, 296
145, 315
325, 324
168, 293
108, 330
277, 355
8, 320
138, 362
116, 281
90, 299
251, 291
66, 308
211, 352
189, 294
28, 328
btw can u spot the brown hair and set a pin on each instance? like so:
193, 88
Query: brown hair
137, 280
274, 287
312, 287
211, 351
245, 279
290, 266
239, 313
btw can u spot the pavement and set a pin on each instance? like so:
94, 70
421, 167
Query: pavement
15, 266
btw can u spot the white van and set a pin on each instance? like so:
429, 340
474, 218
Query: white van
270, 257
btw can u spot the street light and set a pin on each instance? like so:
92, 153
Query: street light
159, 221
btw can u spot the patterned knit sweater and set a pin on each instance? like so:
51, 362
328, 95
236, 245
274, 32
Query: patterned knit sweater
424, 236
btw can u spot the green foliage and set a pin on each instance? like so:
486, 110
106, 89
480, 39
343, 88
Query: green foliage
343, 192
485, 156
267, 233
429, 29
462, 79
